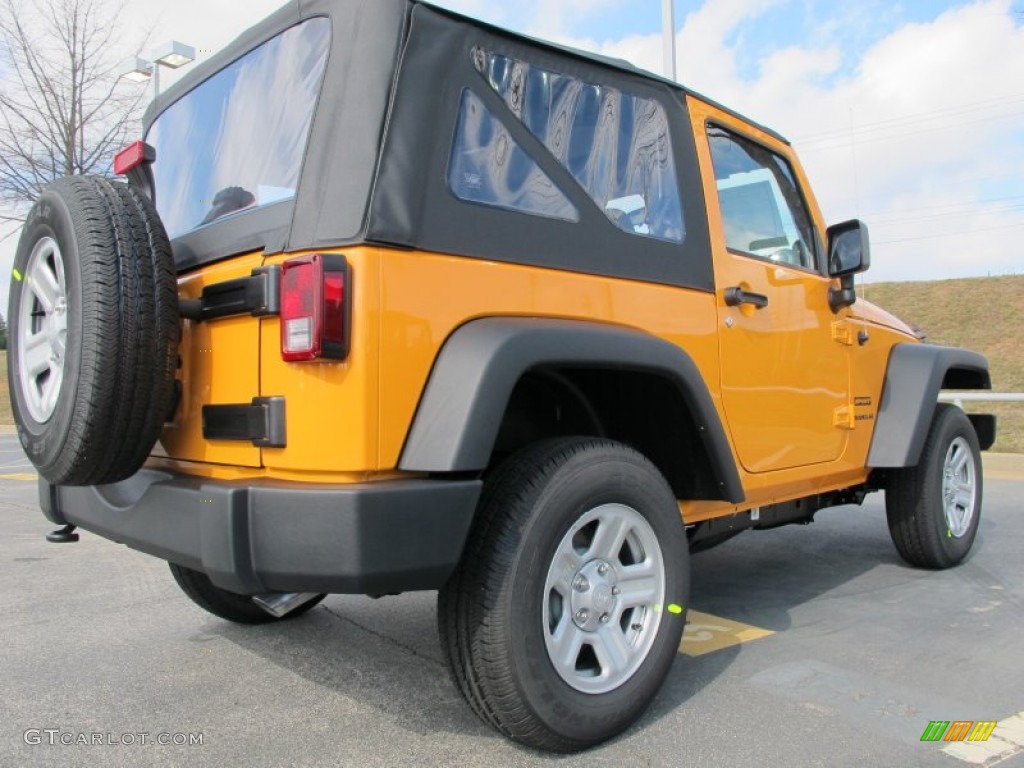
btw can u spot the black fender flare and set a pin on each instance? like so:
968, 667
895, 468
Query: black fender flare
462, 406
913, 378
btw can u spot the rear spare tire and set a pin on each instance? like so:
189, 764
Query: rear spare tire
93, 331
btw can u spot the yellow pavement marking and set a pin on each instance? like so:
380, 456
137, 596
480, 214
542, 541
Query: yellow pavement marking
27, 476
705, 633
1006, 741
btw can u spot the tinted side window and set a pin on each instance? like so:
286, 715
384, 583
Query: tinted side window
615, 144
487, 166
762, 208
237, 141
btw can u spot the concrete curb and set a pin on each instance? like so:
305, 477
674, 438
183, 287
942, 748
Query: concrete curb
1003, 466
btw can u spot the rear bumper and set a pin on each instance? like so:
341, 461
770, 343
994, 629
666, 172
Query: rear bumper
253, 537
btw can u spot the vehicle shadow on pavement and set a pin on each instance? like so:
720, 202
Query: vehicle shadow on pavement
383, 656
337, 649
385, 675
759, 577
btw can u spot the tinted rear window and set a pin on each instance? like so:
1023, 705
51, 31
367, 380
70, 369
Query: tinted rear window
615, 144
236, 142
487, 166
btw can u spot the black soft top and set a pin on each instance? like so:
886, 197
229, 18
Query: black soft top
389, 10
375, 161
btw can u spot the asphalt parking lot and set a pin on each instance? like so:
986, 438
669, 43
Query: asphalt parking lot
847, 656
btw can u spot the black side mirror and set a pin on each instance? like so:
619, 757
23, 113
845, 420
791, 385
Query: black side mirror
849, 253
849, 250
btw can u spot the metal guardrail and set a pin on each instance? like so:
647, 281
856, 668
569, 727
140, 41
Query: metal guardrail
959, 398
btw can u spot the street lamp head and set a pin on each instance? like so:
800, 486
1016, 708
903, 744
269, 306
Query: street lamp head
136, 69
174, 54
171, 55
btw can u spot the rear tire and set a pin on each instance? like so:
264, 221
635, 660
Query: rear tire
568, 607
228, 605
933, 509
93, 331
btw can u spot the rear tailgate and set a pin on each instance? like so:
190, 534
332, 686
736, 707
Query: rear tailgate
220, 365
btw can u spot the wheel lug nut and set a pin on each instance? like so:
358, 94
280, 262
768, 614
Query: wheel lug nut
582, 614
605, 618
581, 584
616, 591
602, 569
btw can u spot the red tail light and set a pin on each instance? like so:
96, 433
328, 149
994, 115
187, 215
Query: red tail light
315, 308
132, 156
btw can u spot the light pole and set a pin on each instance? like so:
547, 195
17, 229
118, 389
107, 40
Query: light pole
668, 32
171, 55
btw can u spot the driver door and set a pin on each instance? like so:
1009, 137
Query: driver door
784, 372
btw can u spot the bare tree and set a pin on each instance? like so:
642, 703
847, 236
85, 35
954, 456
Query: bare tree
62, 110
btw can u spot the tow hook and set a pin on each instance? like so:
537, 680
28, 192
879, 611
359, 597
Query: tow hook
65, 535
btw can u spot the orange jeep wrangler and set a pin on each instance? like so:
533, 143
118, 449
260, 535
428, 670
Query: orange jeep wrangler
395, 300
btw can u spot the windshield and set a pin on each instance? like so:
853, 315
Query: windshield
236, 141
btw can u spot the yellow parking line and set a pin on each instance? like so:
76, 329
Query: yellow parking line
705, 633
26, 476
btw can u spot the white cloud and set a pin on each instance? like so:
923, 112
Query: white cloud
549, 19
935, 133
935, 111
914, 135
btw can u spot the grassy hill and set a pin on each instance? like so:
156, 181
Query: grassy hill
985, 314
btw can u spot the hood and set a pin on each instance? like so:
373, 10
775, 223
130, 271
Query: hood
872, 313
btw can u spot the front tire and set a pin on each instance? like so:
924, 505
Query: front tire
567, 610
933, 509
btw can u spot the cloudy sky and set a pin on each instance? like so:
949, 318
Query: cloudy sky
907, 115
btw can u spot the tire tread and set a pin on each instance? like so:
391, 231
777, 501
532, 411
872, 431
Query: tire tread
123, 387
913, 497
471, 623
